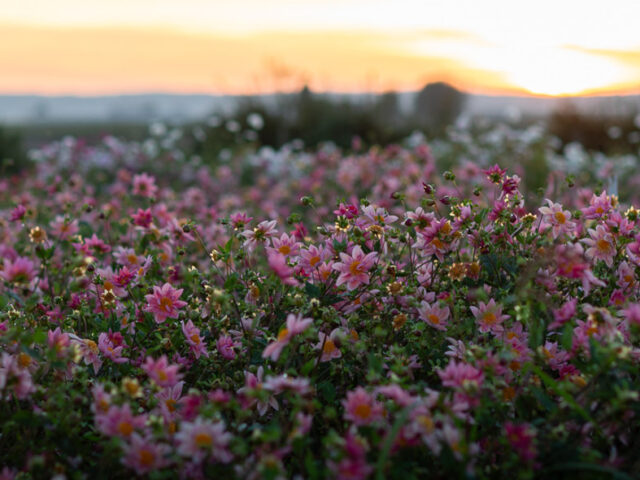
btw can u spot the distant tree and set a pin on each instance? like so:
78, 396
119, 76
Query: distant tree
387, 110
438, 105
12, 154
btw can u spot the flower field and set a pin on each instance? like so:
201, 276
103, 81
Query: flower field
467, 308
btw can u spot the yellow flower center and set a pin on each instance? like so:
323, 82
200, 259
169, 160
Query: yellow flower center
146, 457
354, 268
132, 258
203, 440
285, 249
195, 338
363, 411
329, 346
560, 217
489, 318
433, 318
166, 303
603, 245
314, 260
283, 334
125, 428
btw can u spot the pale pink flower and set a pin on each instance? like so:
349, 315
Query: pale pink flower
225, 345
254, 382
286, 245
164, 374
168, 400
144, 185
63, 228
164, 302
489, 316
557, 218
295, 325
353, 268
120, 421
434, 315
329, 345
283, 383
259, 235
201, 439
601, 245
89, 351
143, 455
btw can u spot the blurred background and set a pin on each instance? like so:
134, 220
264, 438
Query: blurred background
316, 70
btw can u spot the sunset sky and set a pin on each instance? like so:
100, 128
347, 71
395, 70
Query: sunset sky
88, 47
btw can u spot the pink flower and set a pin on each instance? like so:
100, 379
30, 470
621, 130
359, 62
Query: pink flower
202, 438
18, 213
88, 350
521, 438
286, 245
168, 400
461, 375
254, 383
295, 325
353, 465
144, 185
284, 383
119, 421
20, 271
259, 234
489, 316
434, 315
63, 228
239, 220
58, 341
192, 334
601, 245
144, 456
558, 218
361, 408
329, 345
110, 350
278, 263
598, 206
225, 345
353, 268
161, 371
164, 302
142, 218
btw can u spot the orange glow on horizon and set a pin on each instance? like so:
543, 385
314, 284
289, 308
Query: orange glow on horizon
111, 60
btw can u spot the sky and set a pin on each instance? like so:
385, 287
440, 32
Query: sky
95, 47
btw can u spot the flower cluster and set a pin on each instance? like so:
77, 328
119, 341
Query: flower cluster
331, 315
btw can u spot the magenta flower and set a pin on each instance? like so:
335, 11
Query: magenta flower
353, 268
142, 218
164, 302
489, 316
63, 228
361, 408
295, 325
278, 263
521, 437
461, 375
109, 350
21, 271
192, 334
